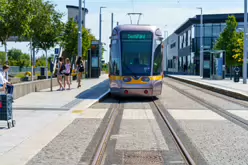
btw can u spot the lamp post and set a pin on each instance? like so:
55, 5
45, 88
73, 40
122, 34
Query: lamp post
84, 14
100, 32
166, 35
80, 29
201, 42
245, 44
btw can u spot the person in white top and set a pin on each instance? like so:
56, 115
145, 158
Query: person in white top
4, 83
67, 73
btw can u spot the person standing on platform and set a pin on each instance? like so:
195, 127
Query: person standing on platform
4, 82
60, 74
67, 73
80, 70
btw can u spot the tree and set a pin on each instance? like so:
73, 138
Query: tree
2, 58
14, 18
49, 36
14, 54
17, 58
70, 38
86, 43
239, 48
41, 61
227, 40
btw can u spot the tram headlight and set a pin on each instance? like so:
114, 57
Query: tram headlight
127, 79
145, 79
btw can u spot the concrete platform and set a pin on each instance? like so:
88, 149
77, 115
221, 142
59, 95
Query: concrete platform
226, 86
41, 116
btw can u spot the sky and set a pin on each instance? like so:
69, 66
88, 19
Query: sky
168, 15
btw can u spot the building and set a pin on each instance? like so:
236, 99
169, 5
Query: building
172, 52
188, 41
73, 13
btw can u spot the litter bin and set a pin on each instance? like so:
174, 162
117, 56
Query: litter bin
42, 71
236, 74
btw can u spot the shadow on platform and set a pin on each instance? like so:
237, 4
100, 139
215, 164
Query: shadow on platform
94, 92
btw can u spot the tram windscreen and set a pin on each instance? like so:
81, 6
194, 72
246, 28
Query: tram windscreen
136, 53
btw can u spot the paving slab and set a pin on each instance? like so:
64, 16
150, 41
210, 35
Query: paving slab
225, 86
219, 140
45, 99
37, 126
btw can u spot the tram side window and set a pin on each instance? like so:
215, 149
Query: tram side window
115, 58
158, 59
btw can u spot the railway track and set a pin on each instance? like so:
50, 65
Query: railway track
100, 152
217, 109
227, 98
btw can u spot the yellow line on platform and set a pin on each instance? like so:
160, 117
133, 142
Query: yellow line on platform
77, 111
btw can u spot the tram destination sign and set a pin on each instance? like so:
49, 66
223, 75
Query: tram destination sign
136, 35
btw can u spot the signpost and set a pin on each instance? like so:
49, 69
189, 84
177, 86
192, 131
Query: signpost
56, 51
52, 63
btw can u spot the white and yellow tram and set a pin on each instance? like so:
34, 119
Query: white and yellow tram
136, 61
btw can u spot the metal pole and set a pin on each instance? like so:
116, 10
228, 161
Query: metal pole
46, 66
166, 52
34, 62
117, 23
112, 22
84, 14
80, 29
6, 56
31, 60
51, 80
245, 44
201, 50
100, 34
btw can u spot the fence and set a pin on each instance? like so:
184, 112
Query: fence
16, 69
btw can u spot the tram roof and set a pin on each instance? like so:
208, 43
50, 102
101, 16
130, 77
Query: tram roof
135, 27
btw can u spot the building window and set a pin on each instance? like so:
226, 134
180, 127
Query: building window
184, 40
180, 42
197, 31
216, 30
223, 26
208, 30
189, 37
173, 45
193, 31
207, 42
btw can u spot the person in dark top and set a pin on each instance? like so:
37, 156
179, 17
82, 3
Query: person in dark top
80, 70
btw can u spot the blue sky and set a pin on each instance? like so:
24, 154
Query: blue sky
156, 12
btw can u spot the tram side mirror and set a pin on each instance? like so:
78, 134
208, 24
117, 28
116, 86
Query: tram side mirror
109, 45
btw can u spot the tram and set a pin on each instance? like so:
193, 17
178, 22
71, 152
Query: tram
136, 61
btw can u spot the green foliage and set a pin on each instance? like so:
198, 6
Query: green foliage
105, 68
228, 39
14, 18
239, 48
41, 61
17, 58
2, 58
48, 35
20, 75
70, 40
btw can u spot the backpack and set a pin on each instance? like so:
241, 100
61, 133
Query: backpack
62, 69
81, 68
